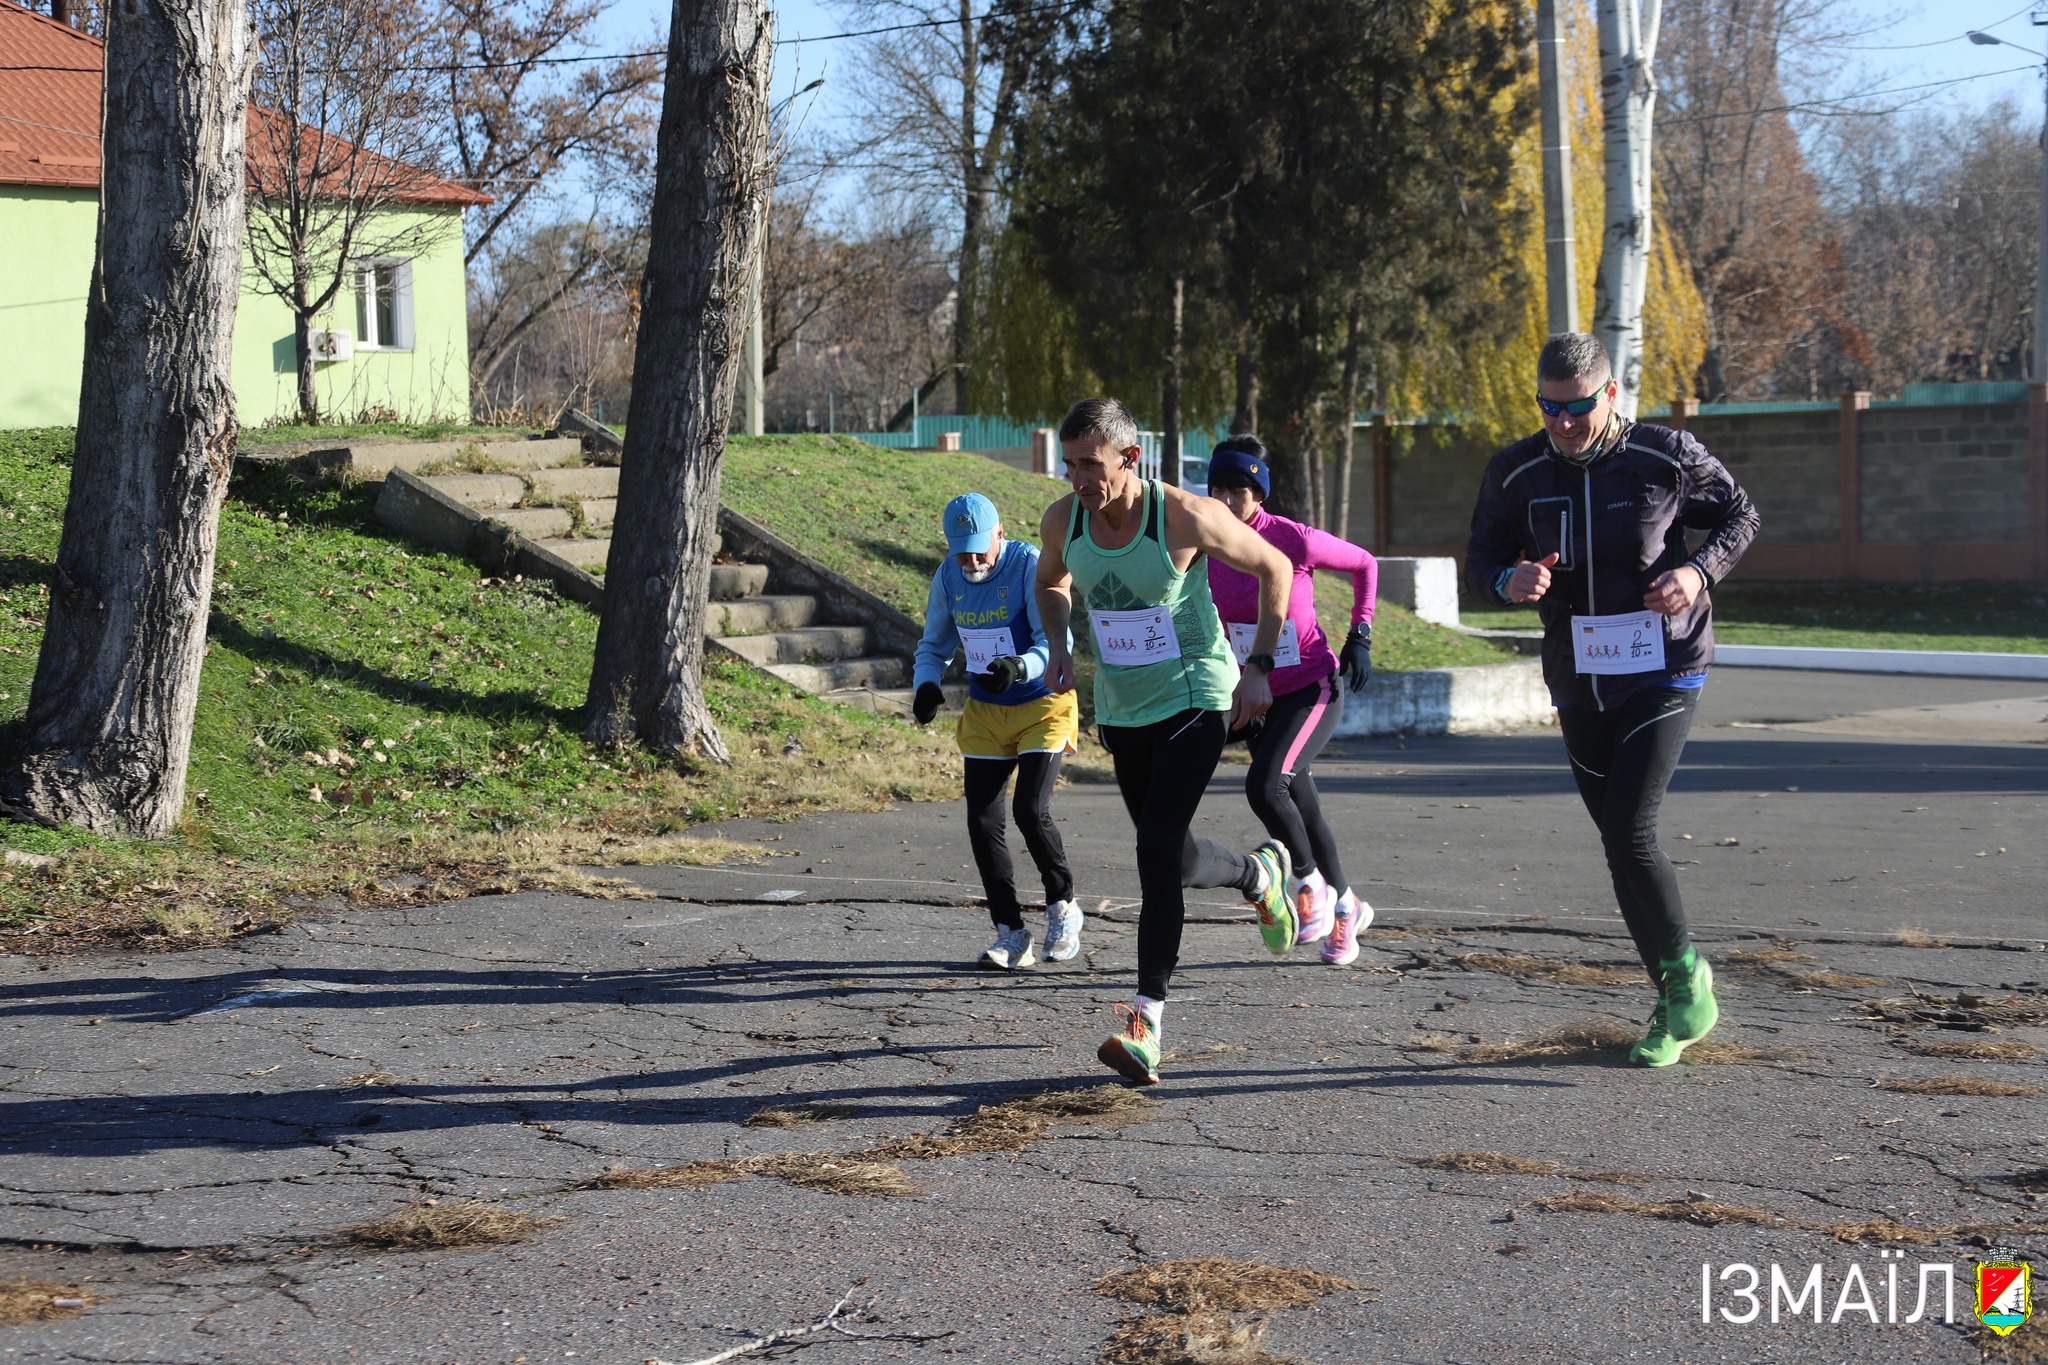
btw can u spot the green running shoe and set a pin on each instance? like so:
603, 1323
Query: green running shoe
1133, 1053
1276, 908
1684, 1014
1689, 992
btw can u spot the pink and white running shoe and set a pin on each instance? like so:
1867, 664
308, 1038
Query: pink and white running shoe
1352, 916
1315, 904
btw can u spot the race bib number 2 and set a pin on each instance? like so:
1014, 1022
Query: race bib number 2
1629, 642
1130, 638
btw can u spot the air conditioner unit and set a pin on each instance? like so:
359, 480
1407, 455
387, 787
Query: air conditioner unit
329, 347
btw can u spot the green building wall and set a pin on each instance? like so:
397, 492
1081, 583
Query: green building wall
49, 236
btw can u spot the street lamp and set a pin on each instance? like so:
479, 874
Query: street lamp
2040, 375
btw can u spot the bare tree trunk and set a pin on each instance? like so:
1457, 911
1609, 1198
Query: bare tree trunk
711, 176
109, 725
977, 183
1170, 436
302, 340
1246, 416
1628, 96
1347, 438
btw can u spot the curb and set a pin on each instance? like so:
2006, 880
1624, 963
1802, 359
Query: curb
1941, 663
1486, 699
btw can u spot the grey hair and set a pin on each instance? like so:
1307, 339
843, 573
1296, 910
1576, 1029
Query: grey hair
1573, 355
1104, 417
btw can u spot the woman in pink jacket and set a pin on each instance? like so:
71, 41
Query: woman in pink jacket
1307, 701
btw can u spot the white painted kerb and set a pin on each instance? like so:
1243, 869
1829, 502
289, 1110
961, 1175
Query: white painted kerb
1943, 663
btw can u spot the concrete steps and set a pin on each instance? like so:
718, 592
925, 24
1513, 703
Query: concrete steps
541, 491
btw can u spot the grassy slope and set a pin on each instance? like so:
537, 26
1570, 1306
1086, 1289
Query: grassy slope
330, 636
873, 515
283, 432
1974, 617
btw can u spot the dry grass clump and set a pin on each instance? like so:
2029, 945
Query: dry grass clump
1200, 1296
1725, 1052
693, 1175
1887, 1230
1234, 1286
1200, 1054
796, 1115
1015, 1124
1433, 1042
1529, 967
1483, 1163
1969, 1012
1828, 979
367, 1078
1956, 1085
430, 1223
847, 1175
1776, 955
1907, 936
24, 1301
1704, 1212
1978, 1051
1588, 1038
1197, 1338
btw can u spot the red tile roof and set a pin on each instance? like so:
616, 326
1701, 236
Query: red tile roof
50, 111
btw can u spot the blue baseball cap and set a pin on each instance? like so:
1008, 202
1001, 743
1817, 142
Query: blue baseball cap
970, 523
1238, 469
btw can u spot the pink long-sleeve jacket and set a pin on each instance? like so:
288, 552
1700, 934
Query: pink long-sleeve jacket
1237, 593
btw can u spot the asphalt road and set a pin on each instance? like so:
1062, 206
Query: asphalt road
189, 1134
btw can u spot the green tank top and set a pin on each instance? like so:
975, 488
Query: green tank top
1139, 575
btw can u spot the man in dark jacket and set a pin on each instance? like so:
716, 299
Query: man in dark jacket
1587, 520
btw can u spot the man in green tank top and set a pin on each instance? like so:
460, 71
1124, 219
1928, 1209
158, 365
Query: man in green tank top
1167, 688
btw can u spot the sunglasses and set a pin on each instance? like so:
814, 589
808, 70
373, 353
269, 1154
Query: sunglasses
1577, 407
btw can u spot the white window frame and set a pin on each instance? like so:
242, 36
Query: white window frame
368, 337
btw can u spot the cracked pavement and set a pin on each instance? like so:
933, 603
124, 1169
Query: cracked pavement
187, 1133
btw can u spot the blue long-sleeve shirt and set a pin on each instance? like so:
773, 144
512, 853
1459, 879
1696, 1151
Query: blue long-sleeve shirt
1004, 601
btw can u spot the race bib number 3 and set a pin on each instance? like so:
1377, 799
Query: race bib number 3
1631, 642
1129, 638
984, 647
1285, 654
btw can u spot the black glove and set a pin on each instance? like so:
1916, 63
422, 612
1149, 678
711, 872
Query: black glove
930, 697
1355, 660
1003, 674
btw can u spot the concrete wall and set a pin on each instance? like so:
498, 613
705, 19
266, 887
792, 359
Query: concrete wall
1943, 475
50, 236
1949, 492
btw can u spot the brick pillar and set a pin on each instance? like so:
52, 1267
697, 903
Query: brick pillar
1851, 490
1682, 411
2037, 474
1382, 484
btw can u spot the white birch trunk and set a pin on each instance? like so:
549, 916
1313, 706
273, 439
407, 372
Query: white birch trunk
1628, 97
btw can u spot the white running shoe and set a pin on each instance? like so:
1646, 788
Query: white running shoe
1011, 950
1063, 924
1352, 916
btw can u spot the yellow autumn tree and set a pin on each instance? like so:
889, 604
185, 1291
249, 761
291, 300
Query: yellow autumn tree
1483, 384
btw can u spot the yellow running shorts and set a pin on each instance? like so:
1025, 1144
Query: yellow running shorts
1049, 725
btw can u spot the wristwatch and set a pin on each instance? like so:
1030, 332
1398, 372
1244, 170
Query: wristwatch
1262, 662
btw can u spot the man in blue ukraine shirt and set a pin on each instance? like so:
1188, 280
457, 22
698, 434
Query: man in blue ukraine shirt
982, 600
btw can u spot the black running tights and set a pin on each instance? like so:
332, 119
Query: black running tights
1162, 770
986, 778
1623, 760
1280, 787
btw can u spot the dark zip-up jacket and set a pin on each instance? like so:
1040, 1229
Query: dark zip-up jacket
1615, 523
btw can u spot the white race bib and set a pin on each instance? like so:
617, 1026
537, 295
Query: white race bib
984, 647
1129, 638
1631, 642
1285, 654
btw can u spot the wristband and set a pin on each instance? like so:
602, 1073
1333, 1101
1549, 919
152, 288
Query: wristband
1500, 584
